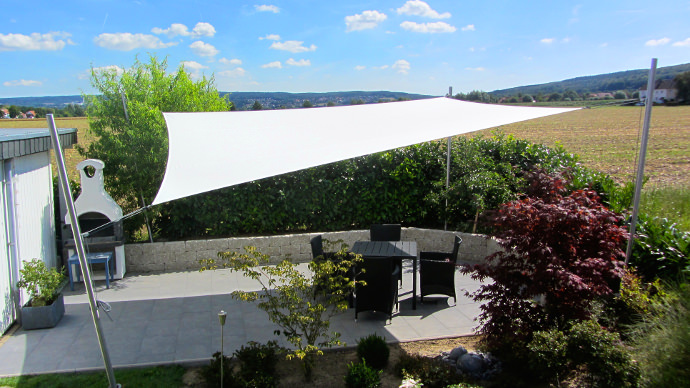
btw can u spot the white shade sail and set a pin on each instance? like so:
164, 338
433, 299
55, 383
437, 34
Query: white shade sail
212, 150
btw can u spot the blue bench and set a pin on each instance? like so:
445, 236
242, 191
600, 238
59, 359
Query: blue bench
91, 258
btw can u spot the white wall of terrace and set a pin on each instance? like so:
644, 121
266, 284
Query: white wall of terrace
185, 255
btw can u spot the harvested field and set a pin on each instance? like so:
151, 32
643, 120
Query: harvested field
606, 140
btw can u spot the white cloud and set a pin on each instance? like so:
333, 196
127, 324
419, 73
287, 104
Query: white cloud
475, 68
364, 21
293, 46
193, 66
203, 49
177, 29
402, 66
270, 37
47, 42
125, 41
234, 73
203, 29
420, 8
272, 65
604, 44
110, 68
267, 8
658, 42
174, 30
469, 27
682, 43
360, 67
227, 61
428, 28
565, 40
547, 40
22, 82
301, 62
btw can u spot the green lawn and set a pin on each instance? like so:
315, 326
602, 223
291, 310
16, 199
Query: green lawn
160, 376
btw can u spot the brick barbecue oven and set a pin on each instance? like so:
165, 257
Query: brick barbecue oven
95, 207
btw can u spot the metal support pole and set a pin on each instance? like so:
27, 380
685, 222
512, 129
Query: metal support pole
445, 223
643, 153
81, 253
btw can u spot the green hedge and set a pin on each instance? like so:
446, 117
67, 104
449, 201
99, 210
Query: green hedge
405, 185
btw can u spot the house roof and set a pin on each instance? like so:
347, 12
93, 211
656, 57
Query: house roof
15, 142
662, 84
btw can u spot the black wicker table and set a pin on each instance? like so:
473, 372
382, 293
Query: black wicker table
401, 249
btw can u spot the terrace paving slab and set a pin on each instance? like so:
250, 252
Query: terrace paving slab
167, 318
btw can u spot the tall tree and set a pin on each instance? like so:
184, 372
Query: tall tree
125, 117
683, 85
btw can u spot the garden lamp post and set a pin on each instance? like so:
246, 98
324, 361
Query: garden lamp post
221, 317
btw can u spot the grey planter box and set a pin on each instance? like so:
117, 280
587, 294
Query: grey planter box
43, 317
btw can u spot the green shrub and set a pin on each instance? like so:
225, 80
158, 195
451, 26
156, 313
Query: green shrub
360, 375
405, 185
258, 364
661, 250
608, 361
374, 350
548, 354
585, 347
211, 372
42, 284
433, 373
662, 341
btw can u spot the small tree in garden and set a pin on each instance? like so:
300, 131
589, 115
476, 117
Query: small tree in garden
290, 299
561, 252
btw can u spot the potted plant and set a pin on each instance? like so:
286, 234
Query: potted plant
46, 304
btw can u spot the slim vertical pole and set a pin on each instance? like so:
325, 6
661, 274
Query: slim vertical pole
643, 154
222, 315
445, 222
81, 253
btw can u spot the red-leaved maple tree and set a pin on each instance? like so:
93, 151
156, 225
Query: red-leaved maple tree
561, 252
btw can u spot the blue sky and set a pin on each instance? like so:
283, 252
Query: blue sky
47, 47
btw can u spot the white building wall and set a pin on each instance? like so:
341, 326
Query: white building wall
7, 308
33, 209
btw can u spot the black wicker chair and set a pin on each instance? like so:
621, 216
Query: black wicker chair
387, 232
317, 252
437, 272
380, 292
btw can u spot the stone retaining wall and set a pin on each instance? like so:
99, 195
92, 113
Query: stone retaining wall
185, 255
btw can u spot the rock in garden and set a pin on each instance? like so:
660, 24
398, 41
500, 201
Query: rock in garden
472, 363
457, 353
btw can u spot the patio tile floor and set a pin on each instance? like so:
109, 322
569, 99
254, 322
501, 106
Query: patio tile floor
173, 318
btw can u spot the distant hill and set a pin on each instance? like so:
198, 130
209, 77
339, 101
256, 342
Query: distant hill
278, 100
243, 100
630, 80
43, 102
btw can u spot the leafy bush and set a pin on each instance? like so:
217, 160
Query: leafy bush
42, 284
405, 185
561, 253
606, 361
660, 250
211, 372
662, 341
287, 296
360, 375
258, 364
433, 373
374, 350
